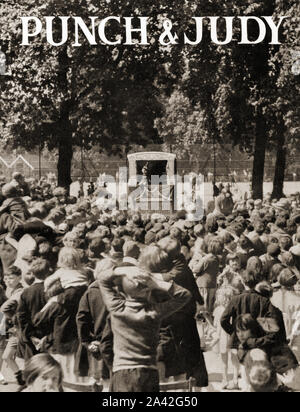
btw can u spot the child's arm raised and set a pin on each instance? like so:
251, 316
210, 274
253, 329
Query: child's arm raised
50, 280
134, 273
107, 282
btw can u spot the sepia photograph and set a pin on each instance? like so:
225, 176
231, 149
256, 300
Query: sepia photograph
149, 198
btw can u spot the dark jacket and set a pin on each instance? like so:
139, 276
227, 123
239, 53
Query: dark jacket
3, 297
90, 320
244, 256
15, 207
60, 321
279, 353
268, 262
258, 245
258, 306
207, 271
182, 275
106, 345
136, 324
180, 348
179, 343
31, 302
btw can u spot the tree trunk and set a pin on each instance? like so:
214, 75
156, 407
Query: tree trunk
279, 167
64, 128
65, 154
259, 157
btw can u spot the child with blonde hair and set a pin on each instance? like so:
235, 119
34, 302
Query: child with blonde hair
69, 275
57, 319
71, 240
43, 374
220, 341
231, 272
260, 374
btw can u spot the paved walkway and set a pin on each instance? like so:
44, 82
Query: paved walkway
212, 363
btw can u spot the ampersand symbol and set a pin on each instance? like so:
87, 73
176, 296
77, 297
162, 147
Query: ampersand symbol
167, 33
2, 63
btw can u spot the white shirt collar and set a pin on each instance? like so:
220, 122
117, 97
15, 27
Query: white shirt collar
37, 281
128, 259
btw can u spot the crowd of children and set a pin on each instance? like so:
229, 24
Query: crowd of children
133, 299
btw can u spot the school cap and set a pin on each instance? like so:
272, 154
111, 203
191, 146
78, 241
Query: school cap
199, 229
149, 237
157, 227
286, 258
180, 214
9, 190
180, 225
148, 226
230, 218
254, 264
188, 224
59, 191
284, 202
280, 221
236, 229
63, 228
131, 249
156, 216
162, 218
17, 175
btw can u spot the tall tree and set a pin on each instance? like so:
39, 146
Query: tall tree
67, 96
232, 83
181, 127
285, 108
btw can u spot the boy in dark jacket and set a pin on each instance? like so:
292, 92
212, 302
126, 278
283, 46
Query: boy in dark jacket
180, 346
91, 321
258, 306
32, 300
14, 205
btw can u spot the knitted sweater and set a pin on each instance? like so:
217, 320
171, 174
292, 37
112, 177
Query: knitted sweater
136, 324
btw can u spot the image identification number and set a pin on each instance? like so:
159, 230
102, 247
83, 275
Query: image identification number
172, 401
